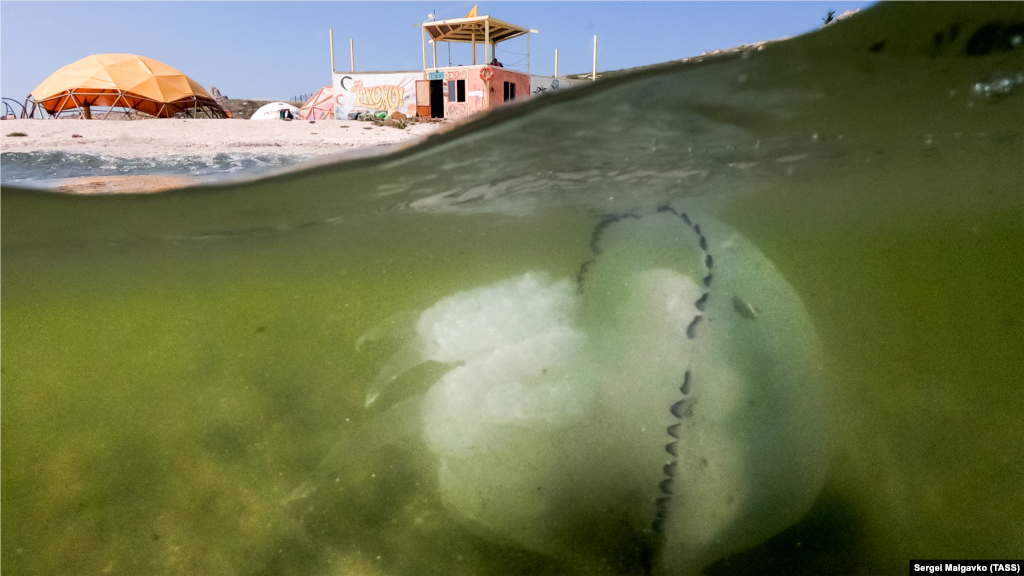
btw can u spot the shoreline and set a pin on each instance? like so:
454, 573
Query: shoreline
202, 137
159, 138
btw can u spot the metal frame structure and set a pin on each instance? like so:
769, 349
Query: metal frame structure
9, 111
84, 99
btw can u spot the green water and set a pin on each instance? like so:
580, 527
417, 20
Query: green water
176, 365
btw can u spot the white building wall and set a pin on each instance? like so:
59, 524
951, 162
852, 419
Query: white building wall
542, 84
375, 92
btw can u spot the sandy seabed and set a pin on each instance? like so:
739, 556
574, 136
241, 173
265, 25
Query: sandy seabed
175, 137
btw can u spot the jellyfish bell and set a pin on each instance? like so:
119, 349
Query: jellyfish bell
640, 395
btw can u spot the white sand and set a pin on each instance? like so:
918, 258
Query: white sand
163, 137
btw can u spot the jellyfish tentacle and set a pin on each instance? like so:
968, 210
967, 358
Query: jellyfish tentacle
397, 426
399, 325
415, 351
408, 357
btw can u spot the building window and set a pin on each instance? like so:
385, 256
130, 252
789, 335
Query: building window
456, 90
510, 91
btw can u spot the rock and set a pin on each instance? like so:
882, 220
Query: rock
396, 115
218, 97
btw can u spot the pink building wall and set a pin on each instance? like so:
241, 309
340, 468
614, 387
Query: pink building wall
476, 89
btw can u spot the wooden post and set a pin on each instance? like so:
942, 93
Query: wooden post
352, 52
593, 75
556, 62
423, 33
487, 42
86, 111
474, 48
332, 54
528, 32
434, 42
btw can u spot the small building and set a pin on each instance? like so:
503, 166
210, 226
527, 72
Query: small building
446, 91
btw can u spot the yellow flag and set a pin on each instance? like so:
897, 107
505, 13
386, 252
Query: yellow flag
472, 13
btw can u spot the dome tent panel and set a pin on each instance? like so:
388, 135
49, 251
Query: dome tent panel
320, 106
127, 81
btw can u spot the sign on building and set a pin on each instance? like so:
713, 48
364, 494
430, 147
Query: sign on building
375, 92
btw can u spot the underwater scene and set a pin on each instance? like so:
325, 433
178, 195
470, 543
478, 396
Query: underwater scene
758, 313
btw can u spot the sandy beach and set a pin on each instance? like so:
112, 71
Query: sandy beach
202, 137
175, 137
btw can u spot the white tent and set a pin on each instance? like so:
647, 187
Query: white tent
273, 110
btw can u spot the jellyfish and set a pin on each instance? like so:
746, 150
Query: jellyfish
674, 385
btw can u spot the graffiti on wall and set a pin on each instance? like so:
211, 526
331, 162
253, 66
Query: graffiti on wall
387, 92
542, 84
386, 97
456, 110
455, 75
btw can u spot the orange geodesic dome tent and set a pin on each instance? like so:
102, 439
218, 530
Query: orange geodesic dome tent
126, 81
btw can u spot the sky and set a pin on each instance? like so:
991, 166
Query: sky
271, 50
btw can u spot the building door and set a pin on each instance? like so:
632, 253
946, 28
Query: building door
437, 98
423, 98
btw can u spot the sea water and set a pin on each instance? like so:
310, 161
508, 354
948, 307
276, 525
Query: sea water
46, 169
185, 375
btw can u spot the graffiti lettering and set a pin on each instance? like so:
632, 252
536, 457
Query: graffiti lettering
455, 75
456, 110
385, 97
374, 92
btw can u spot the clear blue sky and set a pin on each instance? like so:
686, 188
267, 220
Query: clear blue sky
275, 50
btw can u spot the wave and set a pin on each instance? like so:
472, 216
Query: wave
40, 168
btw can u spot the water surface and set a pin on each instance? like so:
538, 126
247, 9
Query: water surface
42, 169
